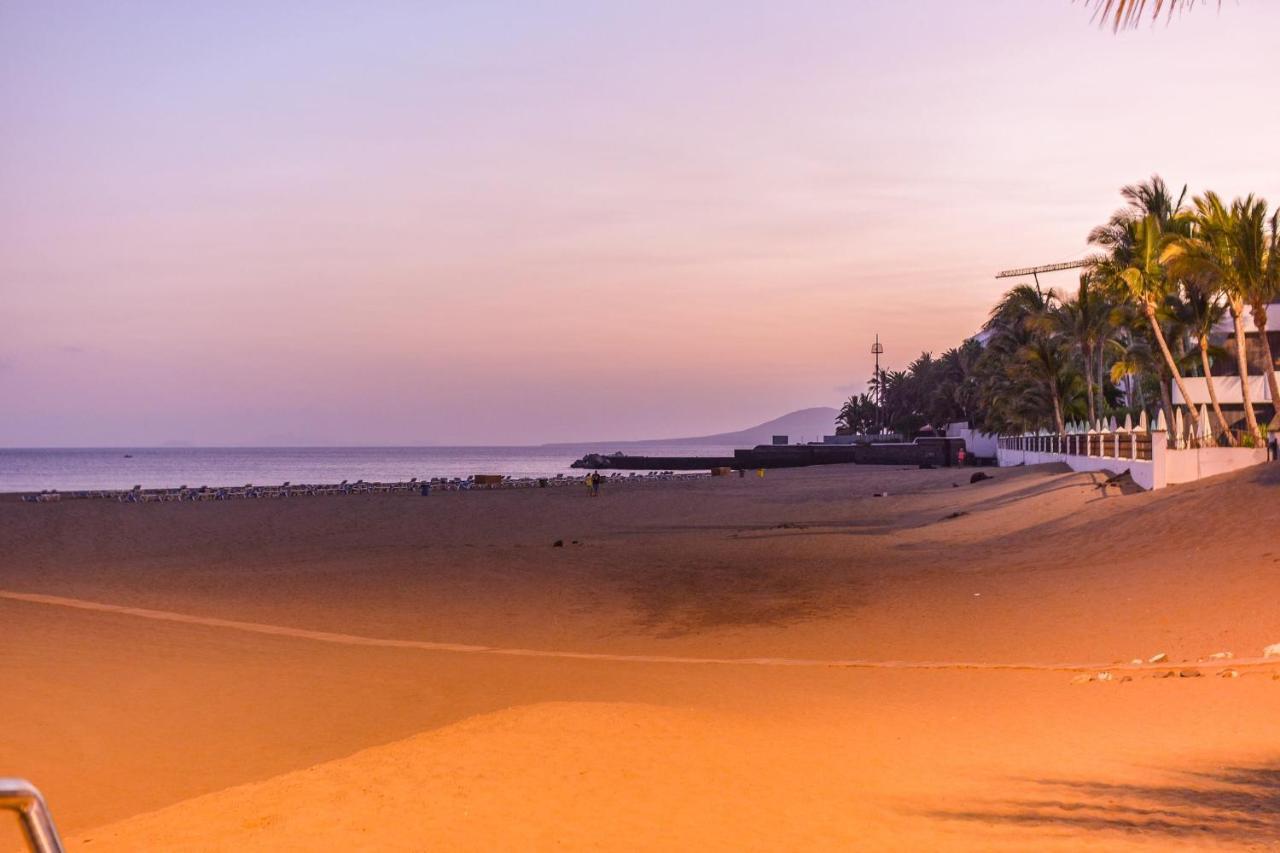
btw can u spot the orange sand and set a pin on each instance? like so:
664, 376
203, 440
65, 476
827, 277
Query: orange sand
149, 732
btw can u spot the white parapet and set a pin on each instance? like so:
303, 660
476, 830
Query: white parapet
1186, 466
1110, 452
1226, 387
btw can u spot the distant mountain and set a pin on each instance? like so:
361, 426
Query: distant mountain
807, 424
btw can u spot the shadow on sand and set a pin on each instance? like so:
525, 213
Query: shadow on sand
1235, 805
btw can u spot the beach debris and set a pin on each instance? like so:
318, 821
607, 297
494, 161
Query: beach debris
559, 543
955, 485
979, 476
1168, 673
957, 514
1217, 656
1136, 661
1125, 678
1190, 673
1159, 657
1272, 651
1229, 673
880, 495
1124, 478
1104, 675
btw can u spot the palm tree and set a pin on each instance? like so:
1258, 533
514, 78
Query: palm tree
1210, 250
1201, 310
953, 386
1026, 378
1134, 265
1257, 242
1129, 13
1134, 359
1047, 362
858, 414
1271, 278
1085, 322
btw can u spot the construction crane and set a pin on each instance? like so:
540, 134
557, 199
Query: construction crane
1034, 272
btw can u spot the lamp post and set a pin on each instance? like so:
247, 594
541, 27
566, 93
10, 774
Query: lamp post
876, 349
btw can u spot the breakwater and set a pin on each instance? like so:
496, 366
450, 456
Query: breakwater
941, 452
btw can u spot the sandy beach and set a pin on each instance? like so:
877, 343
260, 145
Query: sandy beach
780, 663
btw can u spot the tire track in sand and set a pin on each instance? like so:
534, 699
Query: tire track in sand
465, 648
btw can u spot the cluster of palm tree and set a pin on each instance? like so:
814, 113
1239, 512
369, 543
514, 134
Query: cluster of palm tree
930, 391
1166, 274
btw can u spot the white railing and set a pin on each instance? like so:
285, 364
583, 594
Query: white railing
1154, 456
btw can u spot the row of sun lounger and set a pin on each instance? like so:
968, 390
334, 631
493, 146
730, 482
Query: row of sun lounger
287, 490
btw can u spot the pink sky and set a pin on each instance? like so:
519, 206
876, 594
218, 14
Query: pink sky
513, 223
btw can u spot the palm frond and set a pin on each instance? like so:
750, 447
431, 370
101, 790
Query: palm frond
1128, 14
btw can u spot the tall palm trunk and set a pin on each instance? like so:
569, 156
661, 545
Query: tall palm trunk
1057, 412
1101, 384
1260, 320
1213, 392
1088, 379
1166, 404
1242, 363
1168, 358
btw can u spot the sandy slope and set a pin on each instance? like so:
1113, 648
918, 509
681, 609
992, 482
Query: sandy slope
244, 740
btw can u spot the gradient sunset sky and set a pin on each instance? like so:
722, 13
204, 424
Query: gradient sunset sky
509, 223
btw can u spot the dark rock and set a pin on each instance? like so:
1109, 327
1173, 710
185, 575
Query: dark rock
1190, 673
559, 543
979, 476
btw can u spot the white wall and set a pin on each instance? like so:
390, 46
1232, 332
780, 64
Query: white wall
1142, 470
1186, 466
975, 443
1226, 387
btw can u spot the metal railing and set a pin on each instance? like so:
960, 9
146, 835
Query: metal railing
22, 797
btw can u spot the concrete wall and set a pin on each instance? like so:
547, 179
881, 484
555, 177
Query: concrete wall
1143, 471
1187, 466
943, 452
976, 443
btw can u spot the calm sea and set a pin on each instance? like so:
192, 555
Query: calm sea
30, 470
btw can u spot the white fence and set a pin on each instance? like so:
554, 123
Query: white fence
1144, 453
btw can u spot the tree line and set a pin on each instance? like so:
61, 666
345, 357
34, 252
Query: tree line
1165, 272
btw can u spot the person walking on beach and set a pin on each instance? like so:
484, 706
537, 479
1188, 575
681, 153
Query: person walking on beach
595, 485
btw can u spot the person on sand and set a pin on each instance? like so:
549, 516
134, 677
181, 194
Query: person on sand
595, 485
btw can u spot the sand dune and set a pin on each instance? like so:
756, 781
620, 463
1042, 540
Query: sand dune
180, 730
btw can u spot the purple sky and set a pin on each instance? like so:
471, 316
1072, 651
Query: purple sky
483, 222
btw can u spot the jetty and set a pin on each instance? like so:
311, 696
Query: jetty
939, 452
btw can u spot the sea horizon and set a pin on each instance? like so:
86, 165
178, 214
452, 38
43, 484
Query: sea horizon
32, 469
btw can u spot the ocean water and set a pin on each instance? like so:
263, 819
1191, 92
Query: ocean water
29, 470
